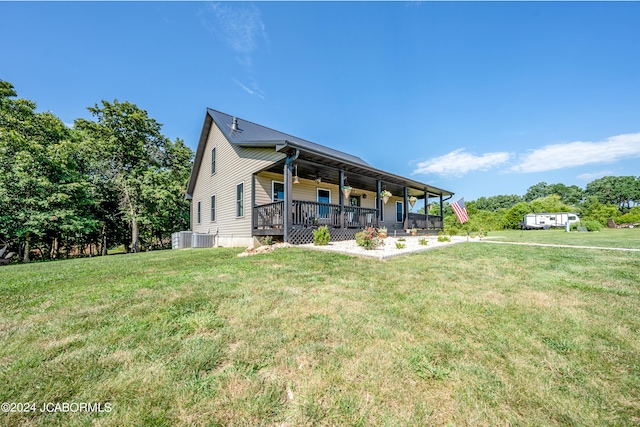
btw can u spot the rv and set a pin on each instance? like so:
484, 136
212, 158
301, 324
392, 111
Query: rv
548, 220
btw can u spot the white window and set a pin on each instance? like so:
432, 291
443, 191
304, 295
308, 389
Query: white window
277, 191
213, 160
199, 212
213, 208
399, 211
240, 199
323, 196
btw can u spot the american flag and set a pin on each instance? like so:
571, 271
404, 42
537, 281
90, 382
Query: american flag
460, 210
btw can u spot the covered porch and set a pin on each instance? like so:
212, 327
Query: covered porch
308, 183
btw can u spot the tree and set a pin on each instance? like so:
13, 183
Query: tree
552, 203
516, 214
537, 191
623, 191
494, 203
593, 210
43, 194
143, 169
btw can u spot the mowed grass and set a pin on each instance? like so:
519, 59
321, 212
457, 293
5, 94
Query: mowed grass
471, 334
607, 237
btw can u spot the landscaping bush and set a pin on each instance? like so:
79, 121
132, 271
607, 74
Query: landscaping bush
321, 236
368, 238
592, 225
443, 238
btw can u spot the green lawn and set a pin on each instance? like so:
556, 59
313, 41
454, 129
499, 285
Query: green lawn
471, 334
607, 237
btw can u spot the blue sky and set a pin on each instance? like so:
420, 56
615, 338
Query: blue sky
477, 98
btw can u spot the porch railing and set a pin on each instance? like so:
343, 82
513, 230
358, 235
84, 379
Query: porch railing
270, 215
306, 214
315, 213
420, 221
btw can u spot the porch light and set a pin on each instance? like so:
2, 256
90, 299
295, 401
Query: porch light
295, 177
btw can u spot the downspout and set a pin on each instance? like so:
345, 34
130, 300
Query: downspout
288, 199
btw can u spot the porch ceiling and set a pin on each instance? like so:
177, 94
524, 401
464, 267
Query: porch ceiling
312, 166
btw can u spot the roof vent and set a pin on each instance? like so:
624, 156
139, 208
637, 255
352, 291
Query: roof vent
234, 124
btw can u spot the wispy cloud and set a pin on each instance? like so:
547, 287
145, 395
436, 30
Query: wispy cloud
594, 175
458, 163
255, 91
579, 153
240, 27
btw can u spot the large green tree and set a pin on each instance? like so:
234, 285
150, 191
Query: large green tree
623, 191
132, 158
43, 196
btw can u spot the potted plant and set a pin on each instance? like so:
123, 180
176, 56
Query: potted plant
413, 200
346, 190
382, 232
384, 195
414, 231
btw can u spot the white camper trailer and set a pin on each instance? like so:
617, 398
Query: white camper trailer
548, 220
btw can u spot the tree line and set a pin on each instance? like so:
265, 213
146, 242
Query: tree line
104, 183
609, 197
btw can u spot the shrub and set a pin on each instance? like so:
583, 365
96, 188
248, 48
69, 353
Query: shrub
400, 245
452, 231
592, 225
321, 236
443, 238
423, 241
368, 238
267, 240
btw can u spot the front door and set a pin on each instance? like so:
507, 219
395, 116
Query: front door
324, 196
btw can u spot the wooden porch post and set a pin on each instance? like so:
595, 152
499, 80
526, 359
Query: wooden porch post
441, 212
426, 208
341, 197
406, 209
379, 203
287, 199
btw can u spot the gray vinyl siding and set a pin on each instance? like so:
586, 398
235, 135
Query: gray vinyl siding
306, 190
233, 165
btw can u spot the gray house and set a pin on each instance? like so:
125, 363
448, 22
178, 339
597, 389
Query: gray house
250, 181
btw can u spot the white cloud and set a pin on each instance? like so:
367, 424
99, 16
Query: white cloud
579, 153
594, 175
459, 162
255, 91
239, 26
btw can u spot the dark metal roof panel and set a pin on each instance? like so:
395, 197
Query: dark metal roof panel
252, 134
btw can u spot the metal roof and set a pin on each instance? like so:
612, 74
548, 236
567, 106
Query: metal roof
249, 134
253, 135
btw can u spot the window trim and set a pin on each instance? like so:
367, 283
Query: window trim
323, 189
213, 208
273, 182
398, 202
214, 159
199, 212
240, 201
